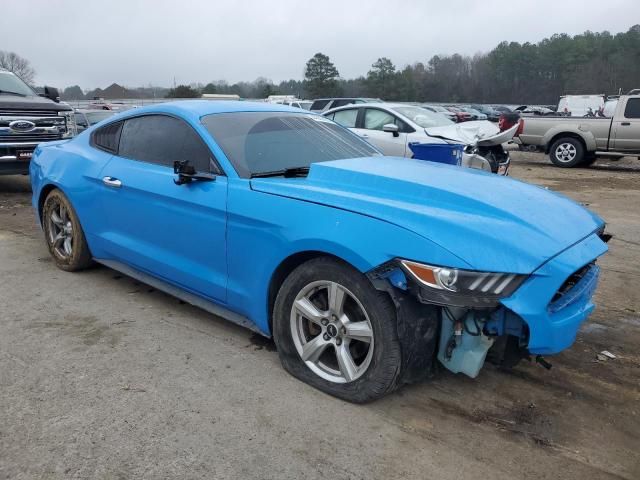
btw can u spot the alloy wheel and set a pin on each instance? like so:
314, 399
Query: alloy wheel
332, 331
61, 231
566, 152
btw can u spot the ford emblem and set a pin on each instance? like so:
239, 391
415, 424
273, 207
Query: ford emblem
22, 126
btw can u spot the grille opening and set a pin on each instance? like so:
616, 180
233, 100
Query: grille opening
570, 282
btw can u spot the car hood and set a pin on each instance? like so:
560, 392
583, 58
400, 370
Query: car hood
492, 223
29, 103
480, 132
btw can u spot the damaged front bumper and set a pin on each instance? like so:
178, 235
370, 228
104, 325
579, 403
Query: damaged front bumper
541, 317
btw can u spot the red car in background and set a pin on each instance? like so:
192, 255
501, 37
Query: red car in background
461, 115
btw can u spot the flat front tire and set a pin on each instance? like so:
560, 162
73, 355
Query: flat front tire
63, 233
336, 332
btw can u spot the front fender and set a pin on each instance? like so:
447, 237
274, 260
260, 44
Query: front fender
264, 230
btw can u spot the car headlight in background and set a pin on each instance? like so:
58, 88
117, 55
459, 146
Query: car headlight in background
463, 288
71, 130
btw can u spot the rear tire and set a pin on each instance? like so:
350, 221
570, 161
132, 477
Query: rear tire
305, 316
566, 152
63, 233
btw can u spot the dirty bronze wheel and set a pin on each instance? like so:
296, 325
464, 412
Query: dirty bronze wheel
64, 234
339, 339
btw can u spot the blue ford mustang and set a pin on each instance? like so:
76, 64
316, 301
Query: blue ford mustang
366, 270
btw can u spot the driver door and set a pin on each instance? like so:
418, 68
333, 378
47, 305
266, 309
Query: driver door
174, 232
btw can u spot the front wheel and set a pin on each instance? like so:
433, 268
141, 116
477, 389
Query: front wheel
336, 332
566, 152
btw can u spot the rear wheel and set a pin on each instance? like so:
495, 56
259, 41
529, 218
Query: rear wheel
63, 233
336, 332
566, 152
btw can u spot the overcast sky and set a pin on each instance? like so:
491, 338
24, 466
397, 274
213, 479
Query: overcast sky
137, 42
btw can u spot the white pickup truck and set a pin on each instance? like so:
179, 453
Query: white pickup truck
573, 141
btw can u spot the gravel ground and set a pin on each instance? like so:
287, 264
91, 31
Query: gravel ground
103, 377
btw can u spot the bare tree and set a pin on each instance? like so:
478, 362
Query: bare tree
20, 66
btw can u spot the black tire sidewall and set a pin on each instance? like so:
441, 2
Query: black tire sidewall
382, 375
80, 257
579, 152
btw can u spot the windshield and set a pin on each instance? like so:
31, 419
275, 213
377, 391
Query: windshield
262, 142
95, 117
423, 117
9, 83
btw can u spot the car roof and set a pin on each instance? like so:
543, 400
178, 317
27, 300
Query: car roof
195, 109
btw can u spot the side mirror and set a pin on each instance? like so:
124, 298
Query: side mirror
391, 128
187, 173
52, 94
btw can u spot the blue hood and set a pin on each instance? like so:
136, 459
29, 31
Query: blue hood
491, 222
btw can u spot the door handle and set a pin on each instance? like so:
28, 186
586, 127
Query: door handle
111, 182
626, 124
364, 135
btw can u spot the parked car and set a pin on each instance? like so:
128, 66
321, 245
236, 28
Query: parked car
572, 141
391, 127
441, 110
303, 104
27, 119
501, 109
324, 104
460, 114
492, 114
535, 110
243, 210
86, 118
475, 114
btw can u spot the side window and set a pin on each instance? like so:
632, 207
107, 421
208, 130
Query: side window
80, 120
632, 110
346, 118
342, 102
163, 140
375, 119
107, 138
319, 104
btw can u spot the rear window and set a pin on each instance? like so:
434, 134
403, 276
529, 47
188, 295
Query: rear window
108, 137
262, 142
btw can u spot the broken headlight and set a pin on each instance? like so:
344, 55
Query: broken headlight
462, 288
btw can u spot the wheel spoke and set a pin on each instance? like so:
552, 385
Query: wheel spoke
336, 299
58, 239
358, 331
345, 362
308, 310
63, 214
55, 218
312, 350
67, 245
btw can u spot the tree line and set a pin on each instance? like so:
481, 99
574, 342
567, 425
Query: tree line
536, 73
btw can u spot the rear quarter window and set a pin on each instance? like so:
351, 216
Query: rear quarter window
107, 138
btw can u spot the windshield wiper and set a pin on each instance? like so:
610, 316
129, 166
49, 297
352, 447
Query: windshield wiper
286, 173
6, 92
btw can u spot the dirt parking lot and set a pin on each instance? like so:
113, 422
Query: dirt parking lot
103, 377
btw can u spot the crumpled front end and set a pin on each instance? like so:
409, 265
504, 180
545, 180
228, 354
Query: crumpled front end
558, 297
541, 316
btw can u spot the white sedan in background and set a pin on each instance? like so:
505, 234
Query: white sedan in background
392, 126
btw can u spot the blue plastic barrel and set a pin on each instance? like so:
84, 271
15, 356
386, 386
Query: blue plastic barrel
450, 153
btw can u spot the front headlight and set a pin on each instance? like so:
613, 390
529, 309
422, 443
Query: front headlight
71, 130
463, 288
